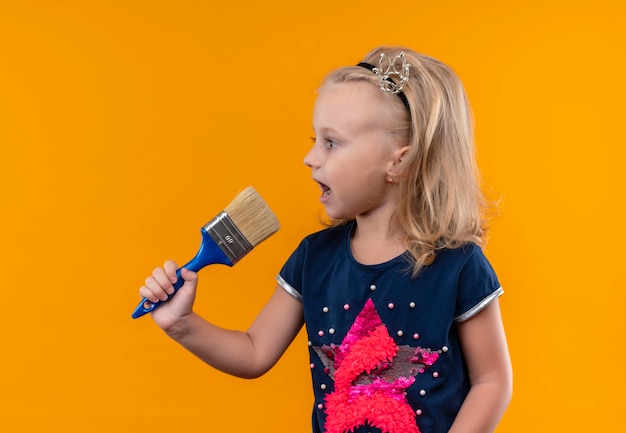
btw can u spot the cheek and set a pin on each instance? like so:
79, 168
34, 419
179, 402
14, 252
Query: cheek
358, 180
369, 166
364, 167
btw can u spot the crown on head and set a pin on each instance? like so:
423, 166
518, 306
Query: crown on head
393, 74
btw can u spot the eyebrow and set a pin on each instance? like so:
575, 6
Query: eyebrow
327, 130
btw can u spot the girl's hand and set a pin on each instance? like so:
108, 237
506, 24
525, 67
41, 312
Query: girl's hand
157, 288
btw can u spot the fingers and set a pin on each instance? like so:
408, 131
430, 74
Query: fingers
170, 270
159, 285
171, 267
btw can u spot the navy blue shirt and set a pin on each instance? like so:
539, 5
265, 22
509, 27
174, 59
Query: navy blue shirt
384, 349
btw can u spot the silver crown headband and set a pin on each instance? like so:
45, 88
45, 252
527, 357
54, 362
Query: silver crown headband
387, 68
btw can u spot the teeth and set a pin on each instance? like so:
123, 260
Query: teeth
326, 191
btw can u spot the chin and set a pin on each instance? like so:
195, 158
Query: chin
332, 215
338, 216
339, 213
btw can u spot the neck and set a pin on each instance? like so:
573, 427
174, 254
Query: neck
375, 240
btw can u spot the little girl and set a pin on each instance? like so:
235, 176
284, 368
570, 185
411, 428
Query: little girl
399, 302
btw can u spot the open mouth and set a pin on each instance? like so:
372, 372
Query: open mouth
326, 191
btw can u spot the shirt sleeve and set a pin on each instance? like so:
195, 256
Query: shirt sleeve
478, 286
290, 276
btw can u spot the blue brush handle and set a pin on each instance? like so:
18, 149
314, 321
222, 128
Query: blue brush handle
208, 254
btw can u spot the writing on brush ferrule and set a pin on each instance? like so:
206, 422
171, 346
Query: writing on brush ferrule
228, 237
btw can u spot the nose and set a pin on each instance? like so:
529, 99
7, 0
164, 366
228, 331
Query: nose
311, 159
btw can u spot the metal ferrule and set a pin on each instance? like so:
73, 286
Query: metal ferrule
227, 236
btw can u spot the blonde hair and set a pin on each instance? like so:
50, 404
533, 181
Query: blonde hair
441, 203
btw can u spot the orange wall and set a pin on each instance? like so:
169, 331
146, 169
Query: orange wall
127, 125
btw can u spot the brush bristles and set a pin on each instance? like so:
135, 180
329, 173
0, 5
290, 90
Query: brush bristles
252, 216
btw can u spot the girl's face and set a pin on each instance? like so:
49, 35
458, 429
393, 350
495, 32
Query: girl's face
352, 151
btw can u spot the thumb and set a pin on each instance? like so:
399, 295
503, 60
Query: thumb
189, 276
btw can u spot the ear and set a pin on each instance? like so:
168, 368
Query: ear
396, 168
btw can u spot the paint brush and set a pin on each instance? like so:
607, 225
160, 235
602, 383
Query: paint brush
227, 238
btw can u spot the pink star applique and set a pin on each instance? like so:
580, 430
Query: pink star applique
371, 374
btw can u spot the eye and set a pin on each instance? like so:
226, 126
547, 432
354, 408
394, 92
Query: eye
331, 144
328, 142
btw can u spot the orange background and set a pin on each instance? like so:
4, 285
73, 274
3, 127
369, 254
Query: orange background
126, 125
